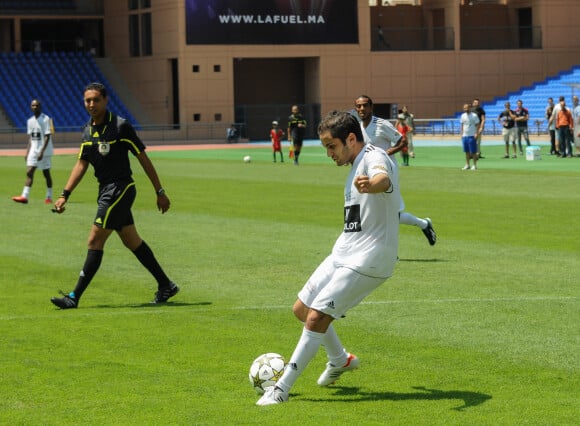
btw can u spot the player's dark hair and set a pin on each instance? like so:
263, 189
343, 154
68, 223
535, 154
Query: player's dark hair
99, 87
368, 98
340, 124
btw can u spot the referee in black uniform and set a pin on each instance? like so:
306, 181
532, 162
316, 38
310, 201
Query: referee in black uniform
107, 141
296, 131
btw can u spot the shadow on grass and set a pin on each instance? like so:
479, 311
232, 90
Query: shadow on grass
470, 399
423, 260
150, 305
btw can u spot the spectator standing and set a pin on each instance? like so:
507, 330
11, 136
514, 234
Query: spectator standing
551, 127
232, 134
296, 131
521, 117
276, 137
410, 121
508, 130
576, 124
469, 131
39, 152
478, 109
565, 128
553, 120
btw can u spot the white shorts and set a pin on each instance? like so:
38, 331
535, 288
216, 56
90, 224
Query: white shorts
333, 289
32, 161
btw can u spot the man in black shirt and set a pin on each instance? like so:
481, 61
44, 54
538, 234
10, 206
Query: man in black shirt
521, 116
508, 131
107, 141
478, 109
296, 131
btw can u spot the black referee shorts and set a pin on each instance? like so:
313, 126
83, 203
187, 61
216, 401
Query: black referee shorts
114, 205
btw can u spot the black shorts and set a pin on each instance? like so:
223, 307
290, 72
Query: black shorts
297, 142
114, 205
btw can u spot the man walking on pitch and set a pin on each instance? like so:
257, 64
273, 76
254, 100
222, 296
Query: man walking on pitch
107, 141
362, 258
384, 135
39, 151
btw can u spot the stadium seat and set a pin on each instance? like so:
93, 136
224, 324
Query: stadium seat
23, 78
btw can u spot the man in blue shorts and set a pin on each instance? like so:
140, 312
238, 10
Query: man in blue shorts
107, 141
469, 133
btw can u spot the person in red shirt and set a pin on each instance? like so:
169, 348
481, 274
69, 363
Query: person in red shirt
276, 138
565, 128
403, 129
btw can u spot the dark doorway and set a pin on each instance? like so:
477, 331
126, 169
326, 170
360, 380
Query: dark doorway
266, 89
174, 82
525, 33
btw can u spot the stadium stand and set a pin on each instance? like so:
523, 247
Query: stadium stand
57, 79
535, 99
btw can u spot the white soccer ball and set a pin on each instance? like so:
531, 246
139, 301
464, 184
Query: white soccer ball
266, 370
247, 159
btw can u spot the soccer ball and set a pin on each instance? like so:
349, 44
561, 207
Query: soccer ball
266, 370
247, 159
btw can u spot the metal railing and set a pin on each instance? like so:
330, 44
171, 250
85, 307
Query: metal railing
155, 134
495, 38
412, 38
11, 138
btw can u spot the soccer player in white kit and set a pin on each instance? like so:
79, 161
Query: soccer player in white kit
363, 256
384, 135
39, 151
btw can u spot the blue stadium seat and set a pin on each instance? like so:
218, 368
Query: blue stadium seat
24, 76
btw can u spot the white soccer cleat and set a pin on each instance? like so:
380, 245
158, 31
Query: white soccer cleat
332, 373
273, 395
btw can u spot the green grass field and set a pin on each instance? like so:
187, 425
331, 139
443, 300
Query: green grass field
481, 329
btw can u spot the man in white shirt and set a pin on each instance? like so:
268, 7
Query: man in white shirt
470, 129
576, 129
363, 256
382, 133
39, 151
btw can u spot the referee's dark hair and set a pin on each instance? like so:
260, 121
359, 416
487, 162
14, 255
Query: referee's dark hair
99, 87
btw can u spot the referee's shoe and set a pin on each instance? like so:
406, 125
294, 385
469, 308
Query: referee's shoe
163, 294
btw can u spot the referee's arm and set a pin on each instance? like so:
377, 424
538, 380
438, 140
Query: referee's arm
162, 199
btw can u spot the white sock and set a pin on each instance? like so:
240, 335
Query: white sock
305, 350
49, 193
408, 219
336, 353
26, 192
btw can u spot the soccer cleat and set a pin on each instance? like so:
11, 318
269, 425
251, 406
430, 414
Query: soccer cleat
20, 199
466, 167
48, 201
65, 302
163, 294
430, 232
273, 395
331, 374
473, 167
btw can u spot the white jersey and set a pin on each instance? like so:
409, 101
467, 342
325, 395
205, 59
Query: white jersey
370, 239
381, 133
37, 129
469, 122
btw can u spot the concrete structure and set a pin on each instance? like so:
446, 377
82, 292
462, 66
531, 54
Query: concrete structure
439, 54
